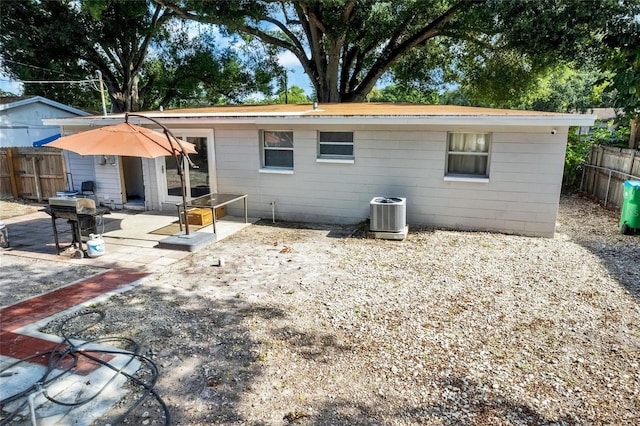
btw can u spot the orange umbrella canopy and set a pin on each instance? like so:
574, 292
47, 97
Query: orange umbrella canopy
124, 139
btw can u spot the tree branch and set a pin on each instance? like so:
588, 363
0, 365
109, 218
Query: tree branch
393, 53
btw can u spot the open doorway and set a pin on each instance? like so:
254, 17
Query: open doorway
133, 182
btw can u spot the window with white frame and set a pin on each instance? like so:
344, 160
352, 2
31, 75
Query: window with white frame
277, 149
468, 155
335, 145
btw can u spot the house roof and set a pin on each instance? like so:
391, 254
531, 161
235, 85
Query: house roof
605, 113
345, 113
378, 109
9, 102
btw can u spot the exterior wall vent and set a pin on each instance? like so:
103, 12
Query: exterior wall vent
388, 214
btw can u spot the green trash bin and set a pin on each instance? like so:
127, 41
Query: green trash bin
630, 214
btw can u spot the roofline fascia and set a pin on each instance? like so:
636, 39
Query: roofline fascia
45, 101
516, 121
280, 119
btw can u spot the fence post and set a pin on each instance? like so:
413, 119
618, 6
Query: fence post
13, 179
36, 177
596, 173
606, 197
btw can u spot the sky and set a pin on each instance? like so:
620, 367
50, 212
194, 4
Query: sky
295, 73
8, 85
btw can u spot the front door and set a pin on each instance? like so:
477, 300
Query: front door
198, 180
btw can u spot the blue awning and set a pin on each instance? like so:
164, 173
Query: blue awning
46, 140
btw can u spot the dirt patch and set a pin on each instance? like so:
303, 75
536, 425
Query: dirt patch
310, 325
22, 278
11, 208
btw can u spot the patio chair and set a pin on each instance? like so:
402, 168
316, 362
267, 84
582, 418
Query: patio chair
88, 187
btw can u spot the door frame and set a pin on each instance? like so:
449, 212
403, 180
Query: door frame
211, 159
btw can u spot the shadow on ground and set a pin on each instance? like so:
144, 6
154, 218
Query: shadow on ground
37, 235
596, 229
210, 366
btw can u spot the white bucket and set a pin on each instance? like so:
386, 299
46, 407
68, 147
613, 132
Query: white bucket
4, 235
95, 245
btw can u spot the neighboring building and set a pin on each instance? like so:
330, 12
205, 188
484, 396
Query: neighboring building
458, 167
21, 120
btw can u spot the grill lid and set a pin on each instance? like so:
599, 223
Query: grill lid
76, 203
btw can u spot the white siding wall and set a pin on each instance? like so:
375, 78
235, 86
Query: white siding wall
108, 186
81, 168
521, 196
105, 176
107, 179
22, 125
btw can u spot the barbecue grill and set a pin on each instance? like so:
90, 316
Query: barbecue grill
81, 214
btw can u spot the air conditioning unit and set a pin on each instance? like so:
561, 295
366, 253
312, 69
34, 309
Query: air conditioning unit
388, 214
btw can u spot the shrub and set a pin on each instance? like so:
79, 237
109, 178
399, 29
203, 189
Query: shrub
577, 152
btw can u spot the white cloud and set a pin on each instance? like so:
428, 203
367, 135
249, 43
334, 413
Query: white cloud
288, 60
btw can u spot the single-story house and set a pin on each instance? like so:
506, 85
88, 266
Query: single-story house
21, 120
458, 167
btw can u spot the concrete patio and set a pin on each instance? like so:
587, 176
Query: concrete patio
129, 241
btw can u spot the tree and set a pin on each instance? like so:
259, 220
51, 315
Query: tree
192, 72
291, 95
559, 89
78, 38
403, 93
37, 41
622, 59
124, 32
345, 46
147, 58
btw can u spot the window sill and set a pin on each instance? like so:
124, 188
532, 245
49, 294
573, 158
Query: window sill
275, 171
335, 160
466, 179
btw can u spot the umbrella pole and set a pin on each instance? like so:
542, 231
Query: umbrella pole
179, 157
183, 184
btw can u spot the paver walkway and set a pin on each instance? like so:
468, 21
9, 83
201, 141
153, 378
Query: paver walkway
14, 317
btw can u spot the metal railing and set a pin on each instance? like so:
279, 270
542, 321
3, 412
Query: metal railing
610, 173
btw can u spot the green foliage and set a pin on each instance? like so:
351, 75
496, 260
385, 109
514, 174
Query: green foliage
146, 56
294, 95
193, 72
578, 145
576, 155
563, 89
558, 89
346, 46
403, 93
622, 58
610, 134
38, 41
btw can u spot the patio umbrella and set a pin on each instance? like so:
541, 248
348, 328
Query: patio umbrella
124, 139
130, 140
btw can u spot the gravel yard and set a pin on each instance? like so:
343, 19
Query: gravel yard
320, 325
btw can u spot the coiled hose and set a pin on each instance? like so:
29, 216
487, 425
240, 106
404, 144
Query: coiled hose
63, 359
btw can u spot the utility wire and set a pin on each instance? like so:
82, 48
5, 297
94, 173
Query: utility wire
57, 81
37, 68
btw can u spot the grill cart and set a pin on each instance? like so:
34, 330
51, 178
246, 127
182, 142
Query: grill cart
81, 214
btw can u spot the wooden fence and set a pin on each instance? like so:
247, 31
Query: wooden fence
31, 173
605, 171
